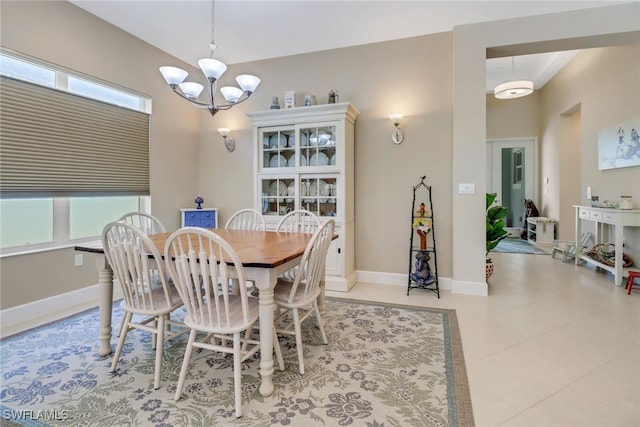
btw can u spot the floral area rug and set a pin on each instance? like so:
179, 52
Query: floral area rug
385, 365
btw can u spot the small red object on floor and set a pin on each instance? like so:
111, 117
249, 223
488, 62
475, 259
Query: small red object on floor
630, 278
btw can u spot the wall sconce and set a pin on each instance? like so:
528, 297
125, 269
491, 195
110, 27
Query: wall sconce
229, 142
397, 135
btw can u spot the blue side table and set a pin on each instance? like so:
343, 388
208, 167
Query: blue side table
205, 217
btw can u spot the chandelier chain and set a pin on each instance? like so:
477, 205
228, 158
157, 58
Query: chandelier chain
212, 45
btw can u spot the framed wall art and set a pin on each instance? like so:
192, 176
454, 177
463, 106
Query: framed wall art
619, 145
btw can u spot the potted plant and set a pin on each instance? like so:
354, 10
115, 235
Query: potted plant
495, 228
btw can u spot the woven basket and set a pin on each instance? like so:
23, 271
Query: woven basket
606, 254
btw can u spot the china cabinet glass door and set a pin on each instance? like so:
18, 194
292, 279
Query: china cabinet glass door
278, 195
318, 194
278, 148
318, 145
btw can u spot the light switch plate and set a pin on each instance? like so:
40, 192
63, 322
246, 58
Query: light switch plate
466, 188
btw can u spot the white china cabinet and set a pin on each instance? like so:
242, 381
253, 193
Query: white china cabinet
303, 159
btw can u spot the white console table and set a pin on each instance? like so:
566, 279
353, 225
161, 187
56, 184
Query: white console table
617, 217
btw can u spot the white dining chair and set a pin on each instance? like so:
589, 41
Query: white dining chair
246, 219
135, 262
200, 261
297, 221
297, 300
148, 223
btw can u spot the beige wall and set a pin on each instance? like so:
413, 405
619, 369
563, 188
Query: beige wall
596, 90
416, 83
63, 34
570, 105
513, 118
437, 81
597, 27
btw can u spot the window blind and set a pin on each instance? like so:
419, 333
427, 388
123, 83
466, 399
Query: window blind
57, 144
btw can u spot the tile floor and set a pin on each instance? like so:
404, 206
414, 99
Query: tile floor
553, 344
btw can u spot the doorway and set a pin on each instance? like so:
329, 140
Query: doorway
512, 174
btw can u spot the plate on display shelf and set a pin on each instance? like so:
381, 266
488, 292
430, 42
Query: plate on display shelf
278, 188
304, 189
270, 198
265, 141
320, 189
319, 159
277, 161
332, 159
319, 139
304, 139
278, 140
291, 191
265, 203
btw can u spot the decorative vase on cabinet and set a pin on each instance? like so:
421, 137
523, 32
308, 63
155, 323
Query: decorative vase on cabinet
304, 159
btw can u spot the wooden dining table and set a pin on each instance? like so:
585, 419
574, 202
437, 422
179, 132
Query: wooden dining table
264, 255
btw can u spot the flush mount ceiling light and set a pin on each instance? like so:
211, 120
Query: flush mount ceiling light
213, 70
513, 89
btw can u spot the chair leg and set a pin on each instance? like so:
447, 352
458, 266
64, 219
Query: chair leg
276, 346
121, 326
154, 339
159, 350
630, 281
298, 329
237, 377
185, 363
123, 337
320, 322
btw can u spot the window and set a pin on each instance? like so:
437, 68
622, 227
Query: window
63, 215
517, 167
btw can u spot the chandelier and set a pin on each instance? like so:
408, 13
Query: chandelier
212, 70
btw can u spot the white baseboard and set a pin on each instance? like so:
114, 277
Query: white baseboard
469, 288
396, 279
340, 284
20, 318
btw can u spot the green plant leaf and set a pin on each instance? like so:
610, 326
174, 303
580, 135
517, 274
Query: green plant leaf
495, 223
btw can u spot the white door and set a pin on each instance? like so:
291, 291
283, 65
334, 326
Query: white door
511, 172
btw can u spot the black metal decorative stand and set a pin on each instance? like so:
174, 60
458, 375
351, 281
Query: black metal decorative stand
423, 264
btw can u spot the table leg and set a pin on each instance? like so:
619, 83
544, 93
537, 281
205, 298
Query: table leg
619, 259
266, 282
105, 284
578, 233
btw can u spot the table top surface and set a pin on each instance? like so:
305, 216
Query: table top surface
265, 249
